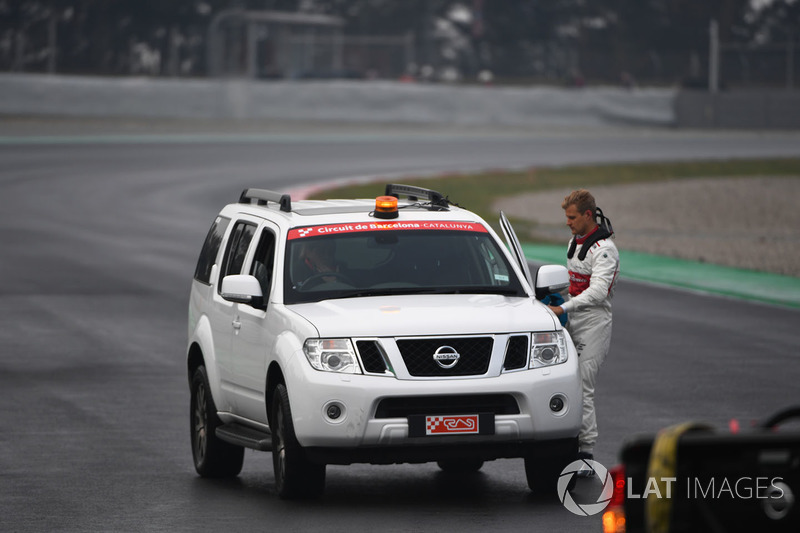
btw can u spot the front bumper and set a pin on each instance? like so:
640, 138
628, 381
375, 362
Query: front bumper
362, 425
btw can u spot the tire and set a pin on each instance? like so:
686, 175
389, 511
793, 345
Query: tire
213, 457
460, 466
543, 466
295, 476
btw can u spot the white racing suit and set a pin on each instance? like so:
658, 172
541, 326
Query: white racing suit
591, 287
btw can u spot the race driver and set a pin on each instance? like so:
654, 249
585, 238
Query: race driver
593, 264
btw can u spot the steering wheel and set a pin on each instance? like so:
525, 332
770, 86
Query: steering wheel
319, 277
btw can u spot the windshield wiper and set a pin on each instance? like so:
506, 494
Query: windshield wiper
475, 290
400, 291
368, 292
493, 290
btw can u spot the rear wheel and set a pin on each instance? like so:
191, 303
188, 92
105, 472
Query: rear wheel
295, 476
460, 465
212, 456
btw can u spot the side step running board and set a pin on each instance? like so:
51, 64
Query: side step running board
245, 436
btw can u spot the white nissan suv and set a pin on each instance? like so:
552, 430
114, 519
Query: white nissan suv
392, 330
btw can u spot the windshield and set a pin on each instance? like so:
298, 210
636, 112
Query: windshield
324, 263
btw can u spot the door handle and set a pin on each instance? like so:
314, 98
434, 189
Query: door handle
236, 323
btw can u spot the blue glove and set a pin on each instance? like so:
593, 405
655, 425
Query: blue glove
556, 299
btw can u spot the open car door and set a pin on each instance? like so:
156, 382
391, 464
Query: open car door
516, 248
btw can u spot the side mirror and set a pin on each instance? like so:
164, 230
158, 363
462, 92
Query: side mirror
242, 289
550, 279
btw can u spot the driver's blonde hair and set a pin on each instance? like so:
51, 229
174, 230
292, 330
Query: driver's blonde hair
582, 200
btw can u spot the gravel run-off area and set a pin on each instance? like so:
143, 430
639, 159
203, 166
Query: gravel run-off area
751, 223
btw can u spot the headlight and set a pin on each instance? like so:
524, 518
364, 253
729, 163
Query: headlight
548, 349
332, 355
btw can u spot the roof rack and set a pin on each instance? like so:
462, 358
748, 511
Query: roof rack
263, 197
415, 193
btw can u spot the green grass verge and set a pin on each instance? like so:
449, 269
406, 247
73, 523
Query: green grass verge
479, 192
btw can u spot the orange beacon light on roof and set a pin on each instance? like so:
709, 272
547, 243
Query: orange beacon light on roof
386, 207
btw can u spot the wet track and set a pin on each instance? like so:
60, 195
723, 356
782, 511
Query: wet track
98, 245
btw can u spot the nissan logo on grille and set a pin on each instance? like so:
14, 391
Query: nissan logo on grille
446, 356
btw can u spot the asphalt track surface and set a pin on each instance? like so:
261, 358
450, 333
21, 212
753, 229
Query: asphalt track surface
99, 239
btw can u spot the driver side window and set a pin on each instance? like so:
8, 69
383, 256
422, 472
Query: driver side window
238, 243
264, 261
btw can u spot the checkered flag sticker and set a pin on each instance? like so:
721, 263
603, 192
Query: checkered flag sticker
451, 424
433, 422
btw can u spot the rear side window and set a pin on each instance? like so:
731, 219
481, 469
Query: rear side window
210, 250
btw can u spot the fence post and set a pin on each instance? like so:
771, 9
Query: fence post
52, 41
338, 52
409, 51
790, 63
213, 46
713, 57
251, 35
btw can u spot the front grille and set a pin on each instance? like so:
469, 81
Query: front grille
474, 355
499, 404
516, 352
371, 357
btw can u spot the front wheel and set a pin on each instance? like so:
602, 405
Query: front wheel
544, 464
212, 456
295, 475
